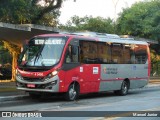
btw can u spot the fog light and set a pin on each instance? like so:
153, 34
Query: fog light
51, 84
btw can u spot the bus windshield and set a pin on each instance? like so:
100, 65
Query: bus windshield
42, 52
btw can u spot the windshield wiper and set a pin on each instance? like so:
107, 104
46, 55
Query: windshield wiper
39, 53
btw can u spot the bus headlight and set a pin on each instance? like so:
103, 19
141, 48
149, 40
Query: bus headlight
52, 74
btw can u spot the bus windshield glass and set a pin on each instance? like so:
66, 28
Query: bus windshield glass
42, 52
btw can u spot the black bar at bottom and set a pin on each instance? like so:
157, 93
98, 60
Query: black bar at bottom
79, 113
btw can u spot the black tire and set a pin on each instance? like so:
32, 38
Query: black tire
34, 95
124, 89
72, 93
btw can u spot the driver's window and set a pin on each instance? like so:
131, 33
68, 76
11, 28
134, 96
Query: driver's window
72, 54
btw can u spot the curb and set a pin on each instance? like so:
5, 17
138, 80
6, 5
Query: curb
151, 81
152, 85
12, 98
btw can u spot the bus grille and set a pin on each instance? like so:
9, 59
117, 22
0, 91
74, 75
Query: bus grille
33, 79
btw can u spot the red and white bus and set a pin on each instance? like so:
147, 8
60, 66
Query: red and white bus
76, 64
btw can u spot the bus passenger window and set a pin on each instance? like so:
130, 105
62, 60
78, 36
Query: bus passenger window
117, 53
88, 52
104, 53
95, 52
129, 57
140, 54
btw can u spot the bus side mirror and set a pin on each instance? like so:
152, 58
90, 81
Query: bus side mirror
74, 50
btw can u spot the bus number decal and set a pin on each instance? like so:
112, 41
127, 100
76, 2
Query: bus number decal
38, 74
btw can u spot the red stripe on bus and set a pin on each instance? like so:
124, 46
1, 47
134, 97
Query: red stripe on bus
125, 78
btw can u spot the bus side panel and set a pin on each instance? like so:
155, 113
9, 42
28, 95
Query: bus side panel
86, 75
61, 75
69, 75
112, 76
91, 77
141, 76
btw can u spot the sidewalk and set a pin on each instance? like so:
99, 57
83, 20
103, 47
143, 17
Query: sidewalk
8, 91
154, 80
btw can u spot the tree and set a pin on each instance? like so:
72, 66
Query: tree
14, 50
97, 24
30, 11
142, 20
5, 56
43, 12
75, 23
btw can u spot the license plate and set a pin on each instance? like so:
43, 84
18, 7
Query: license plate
31, 85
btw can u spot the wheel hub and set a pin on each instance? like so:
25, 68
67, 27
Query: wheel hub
72, 93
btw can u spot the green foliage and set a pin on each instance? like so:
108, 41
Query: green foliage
89, 23
142, 20
27, 12
5, 56
6, 10
14, 51
30, 11
155, 62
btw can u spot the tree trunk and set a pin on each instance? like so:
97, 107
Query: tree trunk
14, 64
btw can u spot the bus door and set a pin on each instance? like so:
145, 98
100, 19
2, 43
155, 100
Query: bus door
90, 69
91, 77
71, 63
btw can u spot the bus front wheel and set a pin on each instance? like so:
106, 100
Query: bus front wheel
72, 93
124, 89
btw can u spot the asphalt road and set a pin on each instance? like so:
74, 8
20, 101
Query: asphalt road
92, 106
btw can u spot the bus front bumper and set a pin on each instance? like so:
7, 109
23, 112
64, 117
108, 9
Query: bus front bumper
51, 85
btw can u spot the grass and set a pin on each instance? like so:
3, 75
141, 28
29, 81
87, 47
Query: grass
8, 89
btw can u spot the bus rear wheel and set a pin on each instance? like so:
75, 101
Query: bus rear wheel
124, 89
72, 93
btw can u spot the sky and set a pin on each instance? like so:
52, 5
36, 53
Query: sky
102, 8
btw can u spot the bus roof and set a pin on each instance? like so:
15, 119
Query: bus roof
123, 40
112, 38
103, 37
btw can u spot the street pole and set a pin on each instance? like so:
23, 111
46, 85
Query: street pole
115, 2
